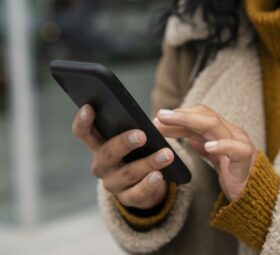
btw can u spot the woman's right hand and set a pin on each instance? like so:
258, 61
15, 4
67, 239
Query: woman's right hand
136, 184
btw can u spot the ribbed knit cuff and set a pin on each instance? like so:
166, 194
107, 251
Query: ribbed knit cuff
266, 20
249, 217
145, 223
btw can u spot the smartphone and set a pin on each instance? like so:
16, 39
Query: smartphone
116, 110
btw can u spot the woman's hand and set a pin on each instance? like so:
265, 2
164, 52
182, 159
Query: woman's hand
226, 145
137, 184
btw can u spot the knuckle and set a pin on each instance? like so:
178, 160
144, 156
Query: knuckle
108, 155
214, 122
128, 174
106, 152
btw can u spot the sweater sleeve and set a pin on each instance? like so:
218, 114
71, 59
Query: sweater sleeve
250, 217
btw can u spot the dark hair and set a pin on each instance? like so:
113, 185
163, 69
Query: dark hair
220, 16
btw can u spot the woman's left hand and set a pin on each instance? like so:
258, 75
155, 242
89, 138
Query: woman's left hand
224, 144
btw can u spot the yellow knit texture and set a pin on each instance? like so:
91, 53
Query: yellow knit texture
266, 20
249, 217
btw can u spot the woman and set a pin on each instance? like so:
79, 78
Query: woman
209, 79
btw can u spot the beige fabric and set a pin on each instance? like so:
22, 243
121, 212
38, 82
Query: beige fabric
231, 85
172, 75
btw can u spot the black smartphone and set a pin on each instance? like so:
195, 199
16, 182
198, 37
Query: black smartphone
116, 110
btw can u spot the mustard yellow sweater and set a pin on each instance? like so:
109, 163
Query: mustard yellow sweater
249, 217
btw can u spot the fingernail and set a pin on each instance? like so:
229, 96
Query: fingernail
84, 114
165, 112
154, 178
163, 156
133, 137
156, 121
210, 145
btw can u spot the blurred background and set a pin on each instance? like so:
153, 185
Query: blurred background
48, 201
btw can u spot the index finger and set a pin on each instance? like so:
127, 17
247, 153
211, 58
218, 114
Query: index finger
209, 127
236, 131
83, 128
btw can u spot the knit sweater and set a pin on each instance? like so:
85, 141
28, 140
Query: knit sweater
266, 20
250, 217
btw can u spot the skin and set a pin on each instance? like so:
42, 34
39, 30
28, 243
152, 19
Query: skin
140, 183
137, 184
224, 144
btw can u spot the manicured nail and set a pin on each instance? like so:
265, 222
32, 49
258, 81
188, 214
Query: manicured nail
165, 112
210, 145
163, 156
154, 178
133, 137
84, 114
